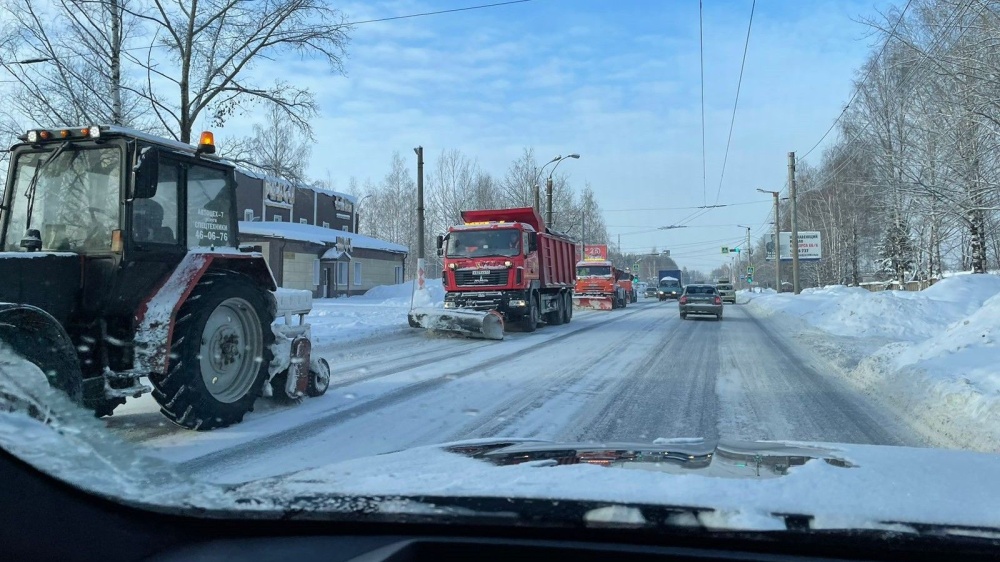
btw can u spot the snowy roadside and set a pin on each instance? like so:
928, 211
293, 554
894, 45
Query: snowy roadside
379, 312
930, 356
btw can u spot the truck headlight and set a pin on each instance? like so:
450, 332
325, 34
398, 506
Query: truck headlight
450, 305
518, 303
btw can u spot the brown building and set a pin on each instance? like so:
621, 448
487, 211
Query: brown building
308, 238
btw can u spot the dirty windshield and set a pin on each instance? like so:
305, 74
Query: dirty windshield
404, 250
69, 195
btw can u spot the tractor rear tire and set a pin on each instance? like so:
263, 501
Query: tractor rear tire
220, 353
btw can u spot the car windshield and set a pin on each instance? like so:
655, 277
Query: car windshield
480, 243
69, 194
593, 271
380, 260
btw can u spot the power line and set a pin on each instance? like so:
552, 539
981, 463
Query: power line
701, 58
701, 207
739, 84
408, 16
857, 89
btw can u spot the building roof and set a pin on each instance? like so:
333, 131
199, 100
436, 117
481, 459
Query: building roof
250, 173
318, 235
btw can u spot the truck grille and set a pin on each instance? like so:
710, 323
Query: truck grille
480, 277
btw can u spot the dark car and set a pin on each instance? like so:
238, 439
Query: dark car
700, 299
650, 292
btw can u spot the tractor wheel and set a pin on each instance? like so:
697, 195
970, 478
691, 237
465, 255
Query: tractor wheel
529, 322
221, 350
39, 338
319, 378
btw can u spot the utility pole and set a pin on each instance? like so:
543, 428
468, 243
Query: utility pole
420, 201
793, 244
538, 201
548, 201
777, 245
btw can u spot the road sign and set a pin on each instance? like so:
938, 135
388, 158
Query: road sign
725, 249
749, 270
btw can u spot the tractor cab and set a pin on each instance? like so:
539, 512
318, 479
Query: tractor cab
119, 255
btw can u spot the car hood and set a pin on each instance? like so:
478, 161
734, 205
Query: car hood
730, 485
765, 485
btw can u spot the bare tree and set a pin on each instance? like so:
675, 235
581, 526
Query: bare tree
212, 45
75, 49
276, 148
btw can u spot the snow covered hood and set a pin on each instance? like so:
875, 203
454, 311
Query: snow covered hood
724, 485
711, 485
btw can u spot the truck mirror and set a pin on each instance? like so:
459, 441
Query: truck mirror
147, 173
532, 241
440, 241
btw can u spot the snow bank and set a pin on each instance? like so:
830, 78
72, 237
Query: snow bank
936, 359
379, 312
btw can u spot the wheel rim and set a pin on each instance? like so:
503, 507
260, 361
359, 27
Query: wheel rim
232, 348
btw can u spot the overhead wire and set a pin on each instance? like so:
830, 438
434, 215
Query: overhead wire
701, 63
736, 102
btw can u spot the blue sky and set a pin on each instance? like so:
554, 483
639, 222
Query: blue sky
616, 81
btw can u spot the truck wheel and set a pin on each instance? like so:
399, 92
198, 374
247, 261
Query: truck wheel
529, 322
567, 308
555, 317
220, 349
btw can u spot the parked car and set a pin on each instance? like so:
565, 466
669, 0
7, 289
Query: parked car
700, 299
727, 291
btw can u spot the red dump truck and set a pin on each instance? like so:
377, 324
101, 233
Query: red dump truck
506, 262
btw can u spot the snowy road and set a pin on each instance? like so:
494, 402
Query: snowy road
626, 375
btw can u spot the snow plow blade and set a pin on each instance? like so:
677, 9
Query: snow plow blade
596, 303
470, 323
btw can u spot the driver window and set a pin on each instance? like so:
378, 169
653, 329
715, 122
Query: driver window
155, 220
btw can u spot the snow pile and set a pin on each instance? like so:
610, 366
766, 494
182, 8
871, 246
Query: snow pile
935, 360
894, 315
380, 311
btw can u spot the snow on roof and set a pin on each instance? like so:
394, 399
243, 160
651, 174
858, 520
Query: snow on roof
318, 235
334, 254
256, 175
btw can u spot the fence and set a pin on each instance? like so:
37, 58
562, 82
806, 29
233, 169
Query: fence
876, 286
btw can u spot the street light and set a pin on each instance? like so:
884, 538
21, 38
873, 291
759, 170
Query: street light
534, 184
548, 188
777, 240
749, 252
357, 215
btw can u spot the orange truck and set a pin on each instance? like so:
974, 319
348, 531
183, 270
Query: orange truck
598, 281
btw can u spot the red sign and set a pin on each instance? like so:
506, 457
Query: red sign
596, 252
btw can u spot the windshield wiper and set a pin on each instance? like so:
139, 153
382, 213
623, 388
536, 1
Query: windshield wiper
32, 185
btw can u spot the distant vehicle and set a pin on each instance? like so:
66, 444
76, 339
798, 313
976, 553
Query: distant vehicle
598, 286
700, 299
727, 291
675, 273
669, 288
650, 292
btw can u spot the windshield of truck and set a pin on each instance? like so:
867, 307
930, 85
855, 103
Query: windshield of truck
74, 201
483, 243
593, 271
556, 147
